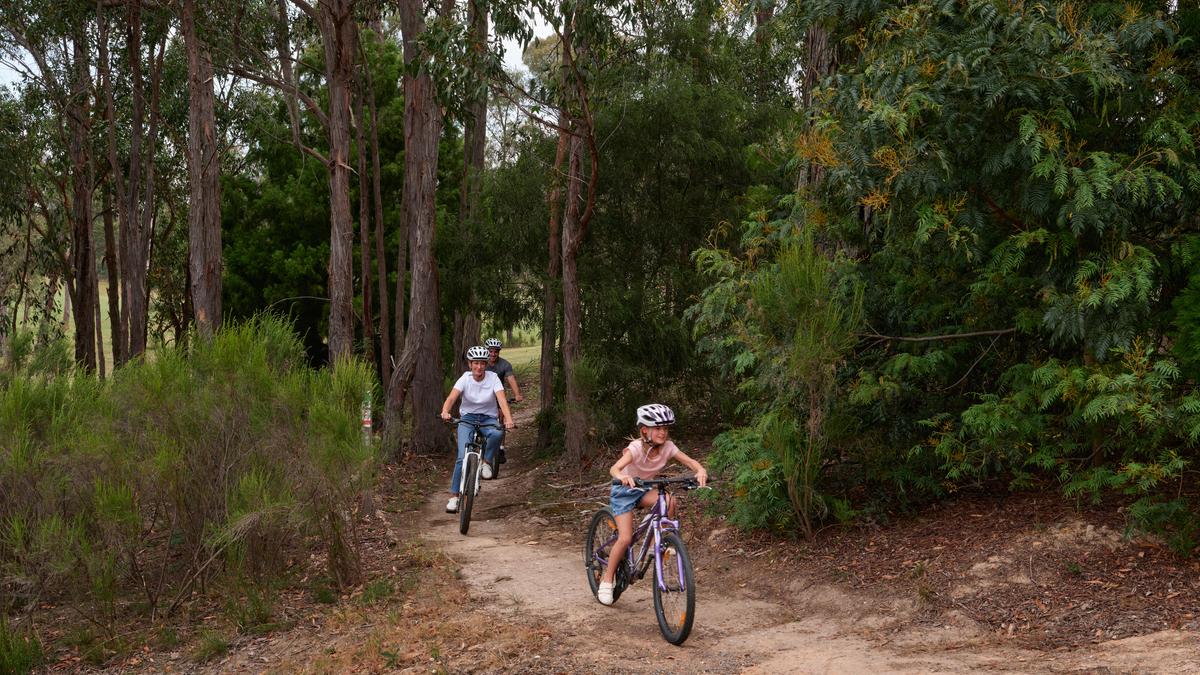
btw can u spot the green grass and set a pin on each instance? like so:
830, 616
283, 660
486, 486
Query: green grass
105, 326
521, 357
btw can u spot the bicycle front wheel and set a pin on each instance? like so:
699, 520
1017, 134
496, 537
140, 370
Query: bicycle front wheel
674, 590
467, 499
602, 533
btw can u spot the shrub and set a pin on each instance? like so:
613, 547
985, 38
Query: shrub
19, 652
224, 459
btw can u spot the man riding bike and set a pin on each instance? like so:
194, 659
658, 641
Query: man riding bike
504, 370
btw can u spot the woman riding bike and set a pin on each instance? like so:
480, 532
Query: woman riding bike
483, 402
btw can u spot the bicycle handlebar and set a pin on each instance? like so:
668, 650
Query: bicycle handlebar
459, 420
687, 482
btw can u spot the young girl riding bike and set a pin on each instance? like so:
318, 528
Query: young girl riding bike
643, 458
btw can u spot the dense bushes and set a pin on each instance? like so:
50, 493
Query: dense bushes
1014, 187
222, 461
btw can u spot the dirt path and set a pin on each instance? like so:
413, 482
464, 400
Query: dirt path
523, 572
511, 596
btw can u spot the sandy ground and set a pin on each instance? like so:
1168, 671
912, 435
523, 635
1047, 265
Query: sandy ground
521, 572
513, 598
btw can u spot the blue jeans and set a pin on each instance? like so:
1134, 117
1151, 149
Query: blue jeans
493, 437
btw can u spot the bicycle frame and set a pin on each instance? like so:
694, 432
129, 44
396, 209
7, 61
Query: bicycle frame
658, 522
474, 447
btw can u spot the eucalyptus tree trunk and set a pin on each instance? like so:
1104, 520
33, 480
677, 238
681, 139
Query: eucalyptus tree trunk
339, 37
575, 413
115, 195
466, 321
552, 291
113, 274
204, 208
83, 253
385, 319
133, 239
364, 225
420, 363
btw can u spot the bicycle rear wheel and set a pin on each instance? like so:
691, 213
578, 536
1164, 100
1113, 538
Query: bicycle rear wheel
675, 590
602, 533
467, 499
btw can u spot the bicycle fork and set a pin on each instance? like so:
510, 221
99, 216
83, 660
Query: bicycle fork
658, 563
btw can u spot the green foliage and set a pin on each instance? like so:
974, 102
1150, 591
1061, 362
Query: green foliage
1175, 520
760, 498
20, 652
212, 644
1016, 187
793, 326
228, 458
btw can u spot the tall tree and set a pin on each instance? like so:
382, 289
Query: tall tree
339, 36
204, 208
420, 362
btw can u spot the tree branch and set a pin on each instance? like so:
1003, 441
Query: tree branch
931, 338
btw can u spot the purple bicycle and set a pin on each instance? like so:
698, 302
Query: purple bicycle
655, 539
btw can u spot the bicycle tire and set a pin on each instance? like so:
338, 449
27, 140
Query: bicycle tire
675, 614
467, 499
495, 464
602, 527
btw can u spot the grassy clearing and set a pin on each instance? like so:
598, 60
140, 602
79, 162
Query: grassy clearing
523, 357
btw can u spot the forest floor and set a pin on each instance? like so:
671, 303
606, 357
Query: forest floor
1021, 584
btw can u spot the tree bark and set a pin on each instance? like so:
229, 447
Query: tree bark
118, 200
83, 253
204, 209
421, 360
385, 319
338, 32
573, 230
467, 321
133, 264
575, 413
113, 276
552, 291
364, 226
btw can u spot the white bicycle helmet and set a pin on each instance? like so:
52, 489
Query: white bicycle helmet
477, 353
493, 343
655, 415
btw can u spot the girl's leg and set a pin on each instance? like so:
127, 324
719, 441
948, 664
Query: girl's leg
464, 433
624, 538
671, 507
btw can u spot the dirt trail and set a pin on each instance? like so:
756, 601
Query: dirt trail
519, 570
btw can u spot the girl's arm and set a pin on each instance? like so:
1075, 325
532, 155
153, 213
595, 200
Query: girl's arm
449, 403
615, 469
701, 474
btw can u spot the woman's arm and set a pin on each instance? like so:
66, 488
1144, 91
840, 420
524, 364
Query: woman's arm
449, 403
696, 467
507, 419
615, 469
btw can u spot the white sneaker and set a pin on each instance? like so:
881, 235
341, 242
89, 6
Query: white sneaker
605, 593
485, 470
452, 505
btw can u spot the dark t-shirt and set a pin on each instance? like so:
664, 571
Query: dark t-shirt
502, 368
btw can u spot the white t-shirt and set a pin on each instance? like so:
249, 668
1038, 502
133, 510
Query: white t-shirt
479, 396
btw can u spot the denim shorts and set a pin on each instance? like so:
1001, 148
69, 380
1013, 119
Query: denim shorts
623, 499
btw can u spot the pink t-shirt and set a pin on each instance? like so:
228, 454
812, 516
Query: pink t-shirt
647, 467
